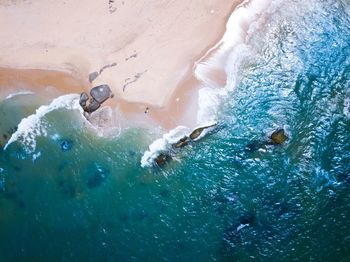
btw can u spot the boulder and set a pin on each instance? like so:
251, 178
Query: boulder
93, 106
162, 159
93, 76
182, 142
198, 131
278, 137
84, 97
101, 93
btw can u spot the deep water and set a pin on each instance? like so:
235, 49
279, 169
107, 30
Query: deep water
229, 197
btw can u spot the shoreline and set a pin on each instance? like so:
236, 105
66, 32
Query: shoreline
174, 105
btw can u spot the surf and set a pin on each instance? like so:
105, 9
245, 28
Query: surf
32, 126
223, 58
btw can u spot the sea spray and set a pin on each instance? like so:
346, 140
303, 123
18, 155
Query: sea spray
166, 143
227, 56
31, 127
163, 144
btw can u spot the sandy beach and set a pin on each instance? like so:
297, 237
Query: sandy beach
145, 51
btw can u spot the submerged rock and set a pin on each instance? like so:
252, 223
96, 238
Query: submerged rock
101, 93
247, 218
162, 159
99, 176
2, 183
255, 145
278, 137
66, 145
68, 188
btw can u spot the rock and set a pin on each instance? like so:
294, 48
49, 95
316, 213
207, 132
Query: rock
99, 176
93, 76
2, 183
101, 93
84, 97
93, 106
66, 145
162, 159
165, 193
68, 188
197, 132
182, 142
247, 218
278, 137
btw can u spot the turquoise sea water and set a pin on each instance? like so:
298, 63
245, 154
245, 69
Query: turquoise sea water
228, 197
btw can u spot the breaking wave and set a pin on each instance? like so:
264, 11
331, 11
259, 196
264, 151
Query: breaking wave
224, 58
31, 127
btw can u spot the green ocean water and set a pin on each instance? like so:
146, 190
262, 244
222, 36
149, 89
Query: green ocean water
228, 197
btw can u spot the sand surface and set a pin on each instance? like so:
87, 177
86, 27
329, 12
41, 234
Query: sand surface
144, 50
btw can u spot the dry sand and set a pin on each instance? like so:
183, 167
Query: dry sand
144, 50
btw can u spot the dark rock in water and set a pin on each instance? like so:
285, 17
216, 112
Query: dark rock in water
124, 217
84, 97
101, 93
98, 177
255, 145
21, 204
278, 137
93, 76
95, 180
4, 136
2, 183
232, 235
198, 131
66, 145
68, 188
247, 218
165, 193
93, 106
182, 142
162, 159
10, 195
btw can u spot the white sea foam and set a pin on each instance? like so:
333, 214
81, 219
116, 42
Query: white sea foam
31, 127
18, 94
163, 144
346, 109
227, 56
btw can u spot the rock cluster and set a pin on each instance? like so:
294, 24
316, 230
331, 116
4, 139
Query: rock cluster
99, 94
164, 157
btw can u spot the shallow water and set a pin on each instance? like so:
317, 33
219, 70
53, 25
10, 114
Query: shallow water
228, 197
